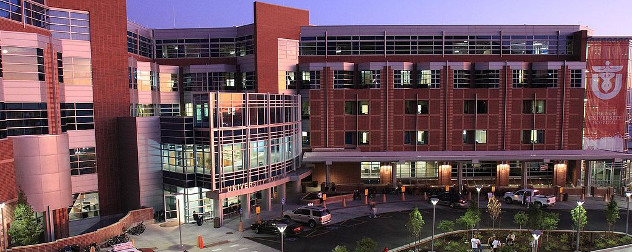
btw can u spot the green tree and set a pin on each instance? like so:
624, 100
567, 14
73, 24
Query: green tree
550, 222
612, 214
24, 229
471, 217
580, 212
494, 210
521, 219
365, 245
340, 248
536, 217
414, 224
446, 225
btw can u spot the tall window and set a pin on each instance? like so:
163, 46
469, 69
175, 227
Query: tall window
370, 79
370, 171
402, 79
343, 79
350, 138
462, 79
357, 108
533, 106
168, 82
487, 78
533, 136
519, 78
419, 137
60, 68
23, 63
74, 25
576, 78
429, 78
474, 136
544, 78
416, 107
83, 161
363, 137
311, 80
475, 107
290, 80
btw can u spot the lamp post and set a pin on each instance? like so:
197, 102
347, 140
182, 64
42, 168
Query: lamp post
434, 211
178, 217
4, 246
627, 217
281, 227
579, 215
478, 200
536, 234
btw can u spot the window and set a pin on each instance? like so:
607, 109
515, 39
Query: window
351, 108
576, 78
487, 78
364, 107
357, 108
168, 82
402, 79
290, 80
169, 109
66, 24
370, 79
210, 81
533, 106
142, 110
474, 136
35, 13
370, 171
77, 116
533, 136
305, 138
311, 80
544, 78
248, 81
83, 161
23, 63
78, 71
416, 137
11, 9
519, 78
84, 205
223, 47
475, 107
419, 169
26, 118
305, 109
350, 138
416, 107
60, 68
462, 79
343, 79
363, 137
429, 78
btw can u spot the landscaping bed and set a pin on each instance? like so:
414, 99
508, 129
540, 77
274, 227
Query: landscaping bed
553, 241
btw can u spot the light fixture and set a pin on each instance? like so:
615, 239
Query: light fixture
1, 205
5, 51
478, 188
580, 203
434, 201
281, 227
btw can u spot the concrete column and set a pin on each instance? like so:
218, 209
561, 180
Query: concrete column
327, 175
459, 177
295, 187
218, 207
245, 205
588, 177
266, 199
502, 174
394, 173
559, 174
525, 174
282, 192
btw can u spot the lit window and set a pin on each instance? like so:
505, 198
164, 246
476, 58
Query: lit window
474, 136
533, 106
533, 136
363, 137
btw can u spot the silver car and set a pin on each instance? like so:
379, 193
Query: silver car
312, 215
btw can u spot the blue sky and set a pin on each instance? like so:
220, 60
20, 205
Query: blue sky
605, 17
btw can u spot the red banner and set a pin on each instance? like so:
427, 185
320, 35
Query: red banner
606, 86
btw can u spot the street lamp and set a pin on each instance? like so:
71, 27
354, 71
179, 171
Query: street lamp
579, 215
536, 234
478, 200
281, 227
4, 246
627, 218
434, 210
178, 216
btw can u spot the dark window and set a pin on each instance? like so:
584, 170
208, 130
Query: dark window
343, 79
60, 68
370, 79
533, 136
83, 161
486, 78
533, 106
544, 78
462, 79
351, 108
475, 107
416, 137
474, 136
402, 79
416, 107
77, 116
350, 138
26, 119
576, 78
41, 73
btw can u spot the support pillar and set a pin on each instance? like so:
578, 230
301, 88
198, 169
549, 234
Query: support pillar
525, 174
282, 192
266, 199
327, 175
459, 178
502, 175
445, 174
245, 205
559, 174
394, 174
218, 206
588, 177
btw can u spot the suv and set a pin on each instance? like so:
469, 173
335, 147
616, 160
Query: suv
450, 199
311, 215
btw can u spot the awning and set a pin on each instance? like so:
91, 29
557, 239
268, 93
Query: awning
473, 156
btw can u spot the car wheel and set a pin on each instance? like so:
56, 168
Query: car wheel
508, 200
538, 204
312, 224
452, 205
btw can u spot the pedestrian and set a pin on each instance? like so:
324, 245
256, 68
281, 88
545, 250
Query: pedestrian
491, 239
196, 217
511, 237
495, 245
476, 244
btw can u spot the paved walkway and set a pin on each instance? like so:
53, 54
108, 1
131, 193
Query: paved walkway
228, 238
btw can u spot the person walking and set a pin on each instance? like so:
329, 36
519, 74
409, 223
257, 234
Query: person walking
495, 245
476, 244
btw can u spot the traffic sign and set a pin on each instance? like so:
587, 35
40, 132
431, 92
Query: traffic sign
282, 201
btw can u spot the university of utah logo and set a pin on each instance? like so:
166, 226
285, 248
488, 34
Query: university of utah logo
607, 90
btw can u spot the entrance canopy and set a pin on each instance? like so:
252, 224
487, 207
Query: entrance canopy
473, 156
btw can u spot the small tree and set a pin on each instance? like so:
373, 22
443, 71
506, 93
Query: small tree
340, 248
446, 225
365, 245
612, 214
24, 230
494, 209
550, 222
471, 217
414, 224
521, 219
580, 212
536, 217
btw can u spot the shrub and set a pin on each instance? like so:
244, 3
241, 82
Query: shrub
340, 248
446, 225
365, 245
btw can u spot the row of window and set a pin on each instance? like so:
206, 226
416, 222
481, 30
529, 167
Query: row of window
215, 81
83, 161
150, 80
420, 137
139, 44
63, 24
421, 107
205, 48
437, 45
23, 119
24, 63
77, 116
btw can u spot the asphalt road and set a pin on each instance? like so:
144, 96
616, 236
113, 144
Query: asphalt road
388, 230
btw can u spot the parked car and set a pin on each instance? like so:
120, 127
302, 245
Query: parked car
270, 227
450, 199
312, 215
532, 196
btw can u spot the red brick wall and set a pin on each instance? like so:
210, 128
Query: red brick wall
101, 235
340, 173
328, 119
108, 26
8, 190
273, 22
